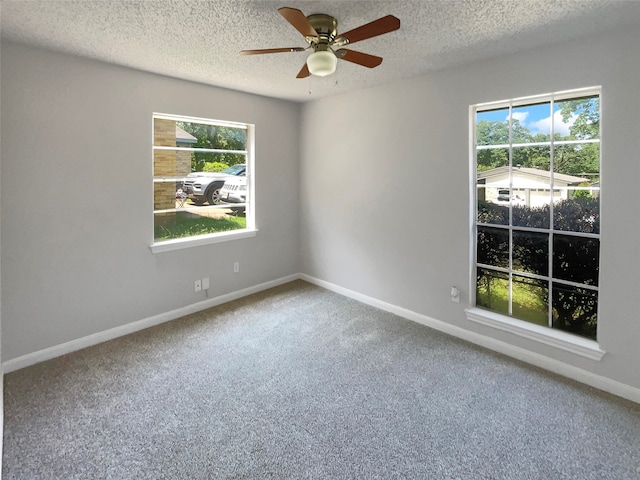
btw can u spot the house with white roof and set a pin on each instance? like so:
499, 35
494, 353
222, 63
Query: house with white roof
529, 186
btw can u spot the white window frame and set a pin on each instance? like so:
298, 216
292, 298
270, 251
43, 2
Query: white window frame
251, 230
542, 334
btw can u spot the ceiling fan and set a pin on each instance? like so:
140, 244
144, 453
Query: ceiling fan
320, 32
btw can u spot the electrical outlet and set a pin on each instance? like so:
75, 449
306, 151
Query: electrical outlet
455, 295
205, 283
236, 267
198, 285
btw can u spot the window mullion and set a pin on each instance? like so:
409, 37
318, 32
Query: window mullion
510, 304
551, 210
200, 150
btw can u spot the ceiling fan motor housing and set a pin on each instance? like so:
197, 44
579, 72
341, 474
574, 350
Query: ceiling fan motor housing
325, 25
322, 61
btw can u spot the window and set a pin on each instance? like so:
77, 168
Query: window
537, 209
193, 159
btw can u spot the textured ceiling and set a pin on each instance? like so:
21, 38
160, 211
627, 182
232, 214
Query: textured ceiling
200, 40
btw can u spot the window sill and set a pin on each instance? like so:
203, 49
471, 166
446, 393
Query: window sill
180, 243
555, 338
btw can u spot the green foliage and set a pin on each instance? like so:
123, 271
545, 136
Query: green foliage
587, 113
492, 158
577, 215
582, 194
575, 259
492, 133
575, 310
218, 138
214, 167
492, 213
537, 217
582, 159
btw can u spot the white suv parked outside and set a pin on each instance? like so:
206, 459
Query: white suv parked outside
234, 190
205, 186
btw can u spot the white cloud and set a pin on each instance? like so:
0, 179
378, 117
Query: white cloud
544, 125
521, 117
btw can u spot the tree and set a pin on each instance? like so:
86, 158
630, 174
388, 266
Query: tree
492, 133
587, 117
215, 137
581, 159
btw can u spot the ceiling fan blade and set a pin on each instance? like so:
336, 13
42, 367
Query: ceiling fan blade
304, 72
360, 58
373, 29
272, 50
299, 21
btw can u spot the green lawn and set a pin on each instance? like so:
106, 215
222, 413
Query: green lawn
187, 225
529, 302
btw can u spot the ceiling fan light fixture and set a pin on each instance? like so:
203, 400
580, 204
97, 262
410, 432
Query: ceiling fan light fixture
322, 63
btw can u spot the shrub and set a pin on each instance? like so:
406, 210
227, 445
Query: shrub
214, 167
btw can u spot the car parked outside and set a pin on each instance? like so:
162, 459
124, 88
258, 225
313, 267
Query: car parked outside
204, 187
234, 191
503, 198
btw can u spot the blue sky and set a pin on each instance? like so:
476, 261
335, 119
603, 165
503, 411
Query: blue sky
537, 118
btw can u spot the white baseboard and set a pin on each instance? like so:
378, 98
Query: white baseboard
96, 338
583, 376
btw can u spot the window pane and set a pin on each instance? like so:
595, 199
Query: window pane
490, 212
165, 195
170, 133
195, 222
214, 162
492, 127
171, 163
531, 123
492, 290
577, 214
493, 189
534, 216
575, 310
493, 246
490, 158
530, 299
498, 192
164, 132
199, 135
531, 252
576, 259
581, 161
578, 118
531, 181
536, 157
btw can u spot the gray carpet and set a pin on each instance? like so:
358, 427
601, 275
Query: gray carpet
298, 382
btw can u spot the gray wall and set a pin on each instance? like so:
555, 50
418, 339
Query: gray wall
77, 198
385, 205
382, 206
